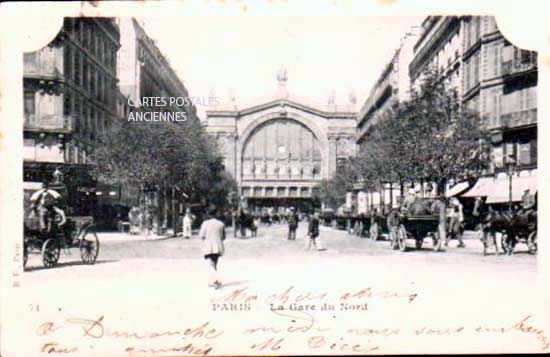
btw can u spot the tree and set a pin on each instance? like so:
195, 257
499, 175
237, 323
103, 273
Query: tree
332, 192
447, 134
386, 157
160, 156
431, 137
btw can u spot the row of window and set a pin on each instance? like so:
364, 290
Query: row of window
76, 154
278, 191
523, 152
448, 53
496, 58
89, 120
471, 72
93, 39
84, 73
496, 104
472, 31
504, 59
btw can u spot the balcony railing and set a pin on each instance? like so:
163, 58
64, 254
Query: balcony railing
519, 118
48, 123
513, 67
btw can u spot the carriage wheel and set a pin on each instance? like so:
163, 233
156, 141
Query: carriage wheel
373, 231
402, 238
89, 247
50, 253
532, 242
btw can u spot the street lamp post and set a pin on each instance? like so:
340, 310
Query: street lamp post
510, 170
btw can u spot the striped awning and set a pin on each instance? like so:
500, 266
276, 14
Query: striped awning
457, 189
498, 190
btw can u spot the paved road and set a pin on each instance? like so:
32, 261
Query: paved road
165, 280
271, 242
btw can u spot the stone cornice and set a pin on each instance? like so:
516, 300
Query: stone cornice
282, 103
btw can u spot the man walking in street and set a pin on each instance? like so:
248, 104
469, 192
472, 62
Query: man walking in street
187, 222
212, 232
313, 232
292, 224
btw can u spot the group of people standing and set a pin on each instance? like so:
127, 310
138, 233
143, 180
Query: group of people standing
312, 231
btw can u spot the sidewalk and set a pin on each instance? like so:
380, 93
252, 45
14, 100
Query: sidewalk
127, 237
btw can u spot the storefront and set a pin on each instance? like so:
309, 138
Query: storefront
503, 189
81, 186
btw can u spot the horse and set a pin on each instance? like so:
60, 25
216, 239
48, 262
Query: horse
488, 223
522, 228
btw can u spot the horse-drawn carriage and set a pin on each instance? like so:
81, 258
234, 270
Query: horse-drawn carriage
514, 228
58, 232
417, 227
419, 222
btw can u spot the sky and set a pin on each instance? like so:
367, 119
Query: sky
242, 54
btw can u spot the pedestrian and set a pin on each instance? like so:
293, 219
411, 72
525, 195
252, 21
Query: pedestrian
234, 221
212, 232
456, 222
313, 232
408, 201
439, 209
243, 221
148, 221
134, 216
188, 219
292, 224
392, 221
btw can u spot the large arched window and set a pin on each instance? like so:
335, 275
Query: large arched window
282, 148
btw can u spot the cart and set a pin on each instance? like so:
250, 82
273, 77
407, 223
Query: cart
417, 228
77, 232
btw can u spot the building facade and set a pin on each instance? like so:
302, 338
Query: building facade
75, 89
494, 78
70, 91
391, 87
145, 72
280, 148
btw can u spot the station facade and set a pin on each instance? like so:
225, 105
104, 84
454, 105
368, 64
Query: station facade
280, 148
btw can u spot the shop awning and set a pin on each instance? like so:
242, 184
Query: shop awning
457, 189
498, 190
32, 185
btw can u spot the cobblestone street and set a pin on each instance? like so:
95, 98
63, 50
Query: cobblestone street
166, 280
271, 242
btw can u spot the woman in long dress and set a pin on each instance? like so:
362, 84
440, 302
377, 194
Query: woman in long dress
213, 233
187, 222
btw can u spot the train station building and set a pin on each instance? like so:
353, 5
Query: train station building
280, 147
